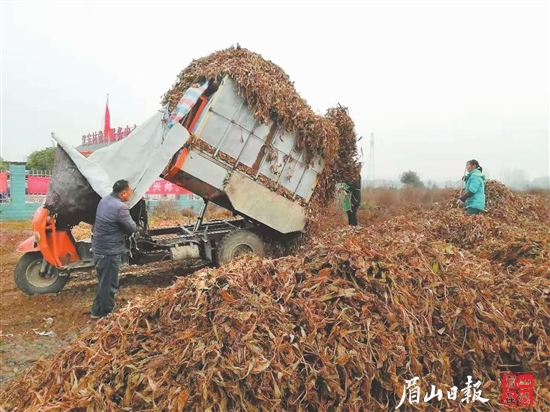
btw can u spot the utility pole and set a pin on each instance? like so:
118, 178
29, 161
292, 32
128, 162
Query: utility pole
370, 172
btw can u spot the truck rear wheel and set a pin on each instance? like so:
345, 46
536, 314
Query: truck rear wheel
27, 276
238, 243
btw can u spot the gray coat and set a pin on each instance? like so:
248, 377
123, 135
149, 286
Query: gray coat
112, 223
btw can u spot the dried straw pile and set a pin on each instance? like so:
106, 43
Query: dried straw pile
337, 328
346, 164
271, 96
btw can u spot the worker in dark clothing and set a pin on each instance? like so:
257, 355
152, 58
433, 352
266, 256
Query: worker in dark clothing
353, 193
112, 224
139, 215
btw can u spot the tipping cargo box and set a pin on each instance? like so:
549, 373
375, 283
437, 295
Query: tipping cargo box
243, 165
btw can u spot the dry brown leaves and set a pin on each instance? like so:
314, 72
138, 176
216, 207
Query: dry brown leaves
503, 203
438, 295
271, 95
346, 166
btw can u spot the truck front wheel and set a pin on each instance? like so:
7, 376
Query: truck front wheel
28, 278
238, 243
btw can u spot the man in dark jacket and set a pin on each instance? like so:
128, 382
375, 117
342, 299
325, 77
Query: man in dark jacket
354, 190
112, 224
139, 215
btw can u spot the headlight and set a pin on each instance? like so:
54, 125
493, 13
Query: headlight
37, 237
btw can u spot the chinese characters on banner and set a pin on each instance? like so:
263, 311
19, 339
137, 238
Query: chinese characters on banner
38, 185
470, 393
517, 389
98, 137
163, 187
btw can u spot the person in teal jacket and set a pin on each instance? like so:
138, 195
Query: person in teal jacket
474, 189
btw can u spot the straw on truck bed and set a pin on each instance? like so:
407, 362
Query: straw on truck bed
272, 97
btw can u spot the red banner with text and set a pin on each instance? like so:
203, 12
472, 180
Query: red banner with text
163, 187
3, 182
38, 185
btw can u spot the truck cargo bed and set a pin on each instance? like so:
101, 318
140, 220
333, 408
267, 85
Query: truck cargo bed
243, 165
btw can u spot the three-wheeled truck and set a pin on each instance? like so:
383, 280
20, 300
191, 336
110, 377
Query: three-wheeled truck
230, 159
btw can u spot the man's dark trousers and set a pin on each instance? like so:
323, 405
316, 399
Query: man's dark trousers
107, 269
352, 215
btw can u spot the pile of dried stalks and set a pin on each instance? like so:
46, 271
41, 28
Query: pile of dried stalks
271, 96
339, 327
346, 165
503, 203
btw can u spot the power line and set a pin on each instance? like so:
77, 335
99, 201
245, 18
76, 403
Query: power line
370, 172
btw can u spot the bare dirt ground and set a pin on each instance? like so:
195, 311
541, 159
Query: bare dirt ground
38, 326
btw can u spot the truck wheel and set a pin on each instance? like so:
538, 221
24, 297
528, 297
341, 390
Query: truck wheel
238, 243
27, 276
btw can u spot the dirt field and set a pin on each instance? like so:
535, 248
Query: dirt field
23, 318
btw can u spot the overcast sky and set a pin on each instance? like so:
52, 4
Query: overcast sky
437, 83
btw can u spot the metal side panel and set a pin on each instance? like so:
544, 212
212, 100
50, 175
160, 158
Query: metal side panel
292, 175
284, 142
249, 154
307, 185
259, 203
213, 129
273, 168
237, 132
229, 121
233, 141
205, 169
212, 126
230, 127
228, 100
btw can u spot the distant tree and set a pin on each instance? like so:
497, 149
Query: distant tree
41, 159
3, 165
411, 178
520, 180
432, 185
515, 178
